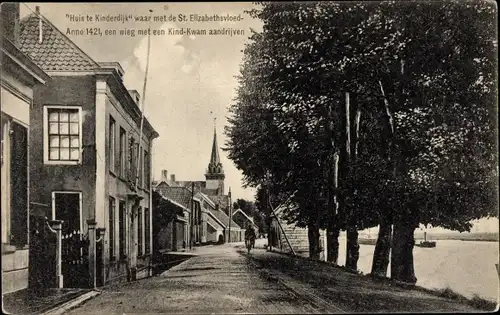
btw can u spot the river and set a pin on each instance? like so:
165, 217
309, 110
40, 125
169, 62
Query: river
467, 267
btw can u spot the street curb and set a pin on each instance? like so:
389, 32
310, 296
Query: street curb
58, 310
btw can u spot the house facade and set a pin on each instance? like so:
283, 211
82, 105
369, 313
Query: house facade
213, 227
91, 163
176, 232
19, 75
192, 220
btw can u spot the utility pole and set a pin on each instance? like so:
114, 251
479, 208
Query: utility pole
143, 101
230, 214
192, 217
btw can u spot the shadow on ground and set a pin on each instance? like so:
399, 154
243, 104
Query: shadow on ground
165, 261
350, 291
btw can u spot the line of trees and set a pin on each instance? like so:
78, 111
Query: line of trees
371, 114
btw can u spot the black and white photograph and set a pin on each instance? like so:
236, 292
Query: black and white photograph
314, 157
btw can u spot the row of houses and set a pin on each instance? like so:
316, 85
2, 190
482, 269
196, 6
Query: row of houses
76, 167
204, 211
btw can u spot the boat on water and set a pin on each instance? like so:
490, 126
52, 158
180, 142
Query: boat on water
367, 240
426, 243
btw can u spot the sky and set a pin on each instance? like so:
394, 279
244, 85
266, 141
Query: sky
191, 79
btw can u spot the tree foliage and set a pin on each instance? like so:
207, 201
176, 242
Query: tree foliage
423, 77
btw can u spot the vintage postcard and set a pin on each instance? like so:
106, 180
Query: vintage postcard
249, 157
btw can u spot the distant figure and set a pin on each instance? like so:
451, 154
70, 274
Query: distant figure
250, 235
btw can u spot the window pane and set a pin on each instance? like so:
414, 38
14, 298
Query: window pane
74, 128
75, 154
53, 115
54, 128
54, 154
64, 142
64, 116
73, 116
54, 141
75, 142
63, 128
64, 154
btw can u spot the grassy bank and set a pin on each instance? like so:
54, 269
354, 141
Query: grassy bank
476, 301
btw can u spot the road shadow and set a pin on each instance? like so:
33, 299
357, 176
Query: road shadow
165, 261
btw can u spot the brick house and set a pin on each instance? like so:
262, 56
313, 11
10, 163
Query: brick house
84, 151
19, 75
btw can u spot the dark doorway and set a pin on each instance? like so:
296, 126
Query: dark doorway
74, 242
67, 208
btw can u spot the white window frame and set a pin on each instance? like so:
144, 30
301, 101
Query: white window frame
5, 180
79, 210
122, 151
145, 182
46, 134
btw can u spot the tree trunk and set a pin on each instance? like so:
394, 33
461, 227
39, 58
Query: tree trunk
402, 268
333, 231
382, 249
352, 246
332, 240
352, 250
314, 240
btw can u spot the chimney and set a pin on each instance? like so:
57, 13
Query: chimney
172, 177
135, 96
9, 17
164, 175
40, 25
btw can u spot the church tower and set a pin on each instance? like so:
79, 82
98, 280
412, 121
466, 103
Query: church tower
215, 174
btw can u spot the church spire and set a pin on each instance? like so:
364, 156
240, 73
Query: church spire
215, 174
214, 158
215, 166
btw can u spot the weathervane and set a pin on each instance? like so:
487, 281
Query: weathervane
215, 118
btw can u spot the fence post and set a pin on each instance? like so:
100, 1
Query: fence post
56, 227
100, 238
92, 252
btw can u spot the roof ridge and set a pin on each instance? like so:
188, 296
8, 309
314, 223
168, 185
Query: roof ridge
246, 215
66, 38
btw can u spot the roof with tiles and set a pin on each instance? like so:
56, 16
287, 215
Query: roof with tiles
56, 52
224, 218
180, 195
